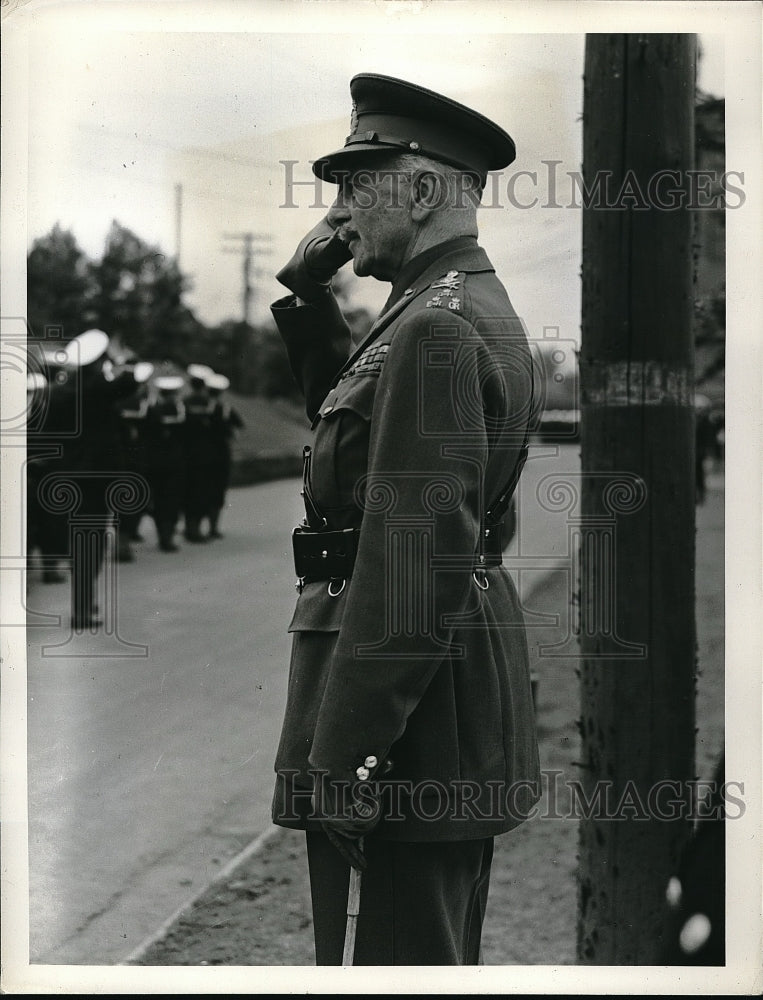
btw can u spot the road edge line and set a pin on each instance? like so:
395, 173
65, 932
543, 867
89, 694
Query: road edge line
253, 848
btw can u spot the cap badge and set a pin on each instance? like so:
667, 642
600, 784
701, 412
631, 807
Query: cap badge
354, 119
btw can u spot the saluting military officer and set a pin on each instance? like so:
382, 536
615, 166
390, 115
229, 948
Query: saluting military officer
408, 741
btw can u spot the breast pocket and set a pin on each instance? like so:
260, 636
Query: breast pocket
340, 452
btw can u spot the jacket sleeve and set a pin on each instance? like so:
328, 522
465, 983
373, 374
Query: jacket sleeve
317, 340
420, 529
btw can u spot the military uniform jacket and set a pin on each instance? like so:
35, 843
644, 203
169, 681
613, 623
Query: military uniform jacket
419, 660
165, 440
83, 420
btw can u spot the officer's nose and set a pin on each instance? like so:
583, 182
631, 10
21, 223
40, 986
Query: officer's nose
339, 211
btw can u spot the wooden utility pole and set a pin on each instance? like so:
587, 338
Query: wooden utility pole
247, 250
637, 433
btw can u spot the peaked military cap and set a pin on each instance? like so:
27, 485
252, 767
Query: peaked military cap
393, 115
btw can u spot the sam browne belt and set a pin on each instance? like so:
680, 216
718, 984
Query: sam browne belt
323, 554
330, 555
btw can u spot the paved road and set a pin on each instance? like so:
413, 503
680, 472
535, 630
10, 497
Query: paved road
150, 765
148, 772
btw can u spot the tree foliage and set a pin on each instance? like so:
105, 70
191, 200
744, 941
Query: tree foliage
138, 296
135, 293
59, 285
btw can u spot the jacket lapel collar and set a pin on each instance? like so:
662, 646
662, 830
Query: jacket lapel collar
474, 259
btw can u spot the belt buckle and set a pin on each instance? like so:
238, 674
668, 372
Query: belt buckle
336, 579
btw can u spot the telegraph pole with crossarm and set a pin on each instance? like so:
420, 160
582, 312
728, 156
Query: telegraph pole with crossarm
248, 250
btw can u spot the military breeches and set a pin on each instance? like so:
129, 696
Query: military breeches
420, 903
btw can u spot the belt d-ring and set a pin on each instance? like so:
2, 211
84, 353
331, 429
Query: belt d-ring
486, 584
330, 592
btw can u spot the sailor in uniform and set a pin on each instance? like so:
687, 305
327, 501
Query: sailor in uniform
166, 457
225, 421
133, 411
199, 451
82, 417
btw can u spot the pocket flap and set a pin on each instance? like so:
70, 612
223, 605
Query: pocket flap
316, 610
356, 394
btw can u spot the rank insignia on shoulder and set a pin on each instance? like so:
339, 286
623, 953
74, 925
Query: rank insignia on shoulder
450, 282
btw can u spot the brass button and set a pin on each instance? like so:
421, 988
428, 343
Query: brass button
362, 773
371, 761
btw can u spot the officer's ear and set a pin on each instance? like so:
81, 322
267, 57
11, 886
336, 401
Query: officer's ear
429, 192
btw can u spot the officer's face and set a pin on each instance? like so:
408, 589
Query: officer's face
372, 210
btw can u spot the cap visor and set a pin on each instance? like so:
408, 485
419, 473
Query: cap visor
335, 166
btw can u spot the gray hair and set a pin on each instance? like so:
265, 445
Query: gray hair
462, 188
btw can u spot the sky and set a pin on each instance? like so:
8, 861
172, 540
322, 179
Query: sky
178, 134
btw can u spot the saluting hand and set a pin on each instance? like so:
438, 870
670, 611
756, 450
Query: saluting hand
316, 260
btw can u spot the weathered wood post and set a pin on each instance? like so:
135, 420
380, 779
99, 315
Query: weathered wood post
637, 434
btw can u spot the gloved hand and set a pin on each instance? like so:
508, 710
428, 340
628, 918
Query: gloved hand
315, 262
347, 818
349, 847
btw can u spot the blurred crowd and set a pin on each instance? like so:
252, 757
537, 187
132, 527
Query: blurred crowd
111, 440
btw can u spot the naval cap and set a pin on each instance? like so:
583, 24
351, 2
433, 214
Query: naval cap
86, 348
143, 371
392, 115
169, 383
198, 371
217, 382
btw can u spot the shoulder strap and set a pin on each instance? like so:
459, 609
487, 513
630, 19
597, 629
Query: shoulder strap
500, 505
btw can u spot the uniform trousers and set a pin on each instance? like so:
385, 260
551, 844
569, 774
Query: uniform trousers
88, 533
420, 903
